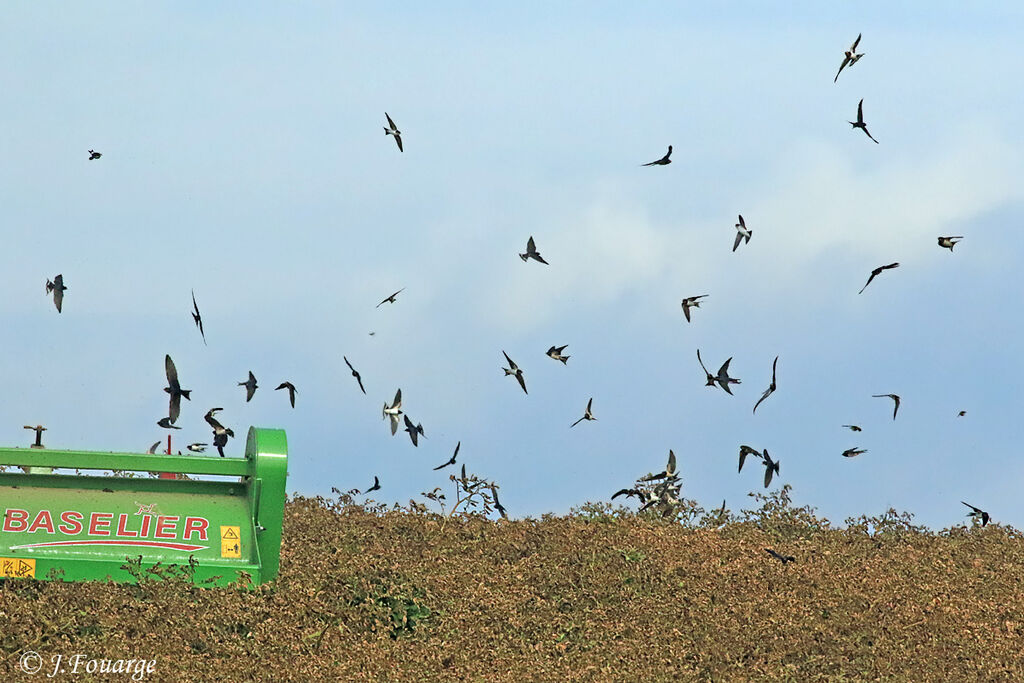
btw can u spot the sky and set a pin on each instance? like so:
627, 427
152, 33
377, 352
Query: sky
244, 159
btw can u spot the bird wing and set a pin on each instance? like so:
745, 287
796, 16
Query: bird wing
348, 364
686, 311
702, 363
723, 372
522, 381
390, 122
511, 364
174, 407
398, 399
768, 473
853, 48
589, 404
739, 238
398, 140
860, 111
846, 60
360, 380
870, 278
976, 510
541, 259
531, 247
575, 423
765, 395
774, 363
172, 373
58, 296
671, 469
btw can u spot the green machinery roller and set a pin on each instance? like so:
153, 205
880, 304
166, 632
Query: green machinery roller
76, 527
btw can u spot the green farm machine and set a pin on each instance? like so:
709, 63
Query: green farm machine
81, 527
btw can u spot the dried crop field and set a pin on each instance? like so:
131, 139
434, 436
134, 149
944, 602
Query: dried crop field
375, 594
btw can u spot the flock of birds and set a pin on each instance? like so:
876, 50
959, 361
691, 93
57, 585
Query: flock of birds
661, 489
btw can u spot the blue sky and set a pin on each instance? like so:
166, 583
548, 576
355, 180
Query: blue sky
244, 157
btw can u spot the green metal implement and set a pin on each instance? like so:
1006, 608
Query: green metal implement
76, 527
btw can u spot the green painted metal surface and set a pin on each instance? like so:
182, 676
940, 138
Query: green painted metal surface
77, 527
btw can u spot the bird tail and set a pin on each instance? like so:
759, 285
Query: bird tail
565, 359
524, 257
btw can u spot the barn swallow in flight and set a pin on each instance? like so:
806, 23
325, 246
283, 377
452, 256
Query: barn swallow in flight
961, 413
393, 411
165, 422
587, 415
390, 299
532, 253
220, 432
94, 155
152, 449
250, 386
291, 391
392, 129
375, 487
556, 353
742, 231
497, 503
198, 318
174, 389
515, 370
451, 460
670, 469
780, 557
58, 288
894, 397
691, 302
197, 447
950, 242
853, 428
860, 121
415, 431
355, 374
854, 452
723, 379
850, 58
771, 387
770, 467
877, 271
978, 513
664, 161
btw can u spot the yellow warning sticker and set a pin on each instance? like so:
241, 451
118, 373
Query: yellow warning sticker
230, 541
16, 567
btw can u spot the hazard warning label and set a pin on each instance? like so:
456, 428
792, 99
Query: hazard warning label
16, 567
230, 541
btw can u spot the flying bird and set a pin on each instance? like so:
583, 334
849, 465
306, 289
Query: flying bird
58, 289
644, 495
691, 302
375, 487
220, 432
415, 431
556, 353
197, 447
451, 461
152, 449
94, 155
165, 422
850, 57
744, 452
950, 242
723, 379
780, 557
587, 415
664, 161
174, 389
896, 401
515, 370
198, 319
742, 231
860, 121
291, 391
978, 513
670, 469
497, 503
877, 271
355, 374
390, 299
853, 428
961, 413
392, 129
393, 411
771, 387
771, 467
250, 386
854, 452
38, 429
532, 253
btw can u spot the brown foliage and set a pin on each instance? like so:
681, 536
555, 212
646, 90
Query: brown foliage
369, 594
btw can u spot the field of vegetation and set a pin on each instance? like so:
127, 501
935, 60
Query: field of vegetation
382, 594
